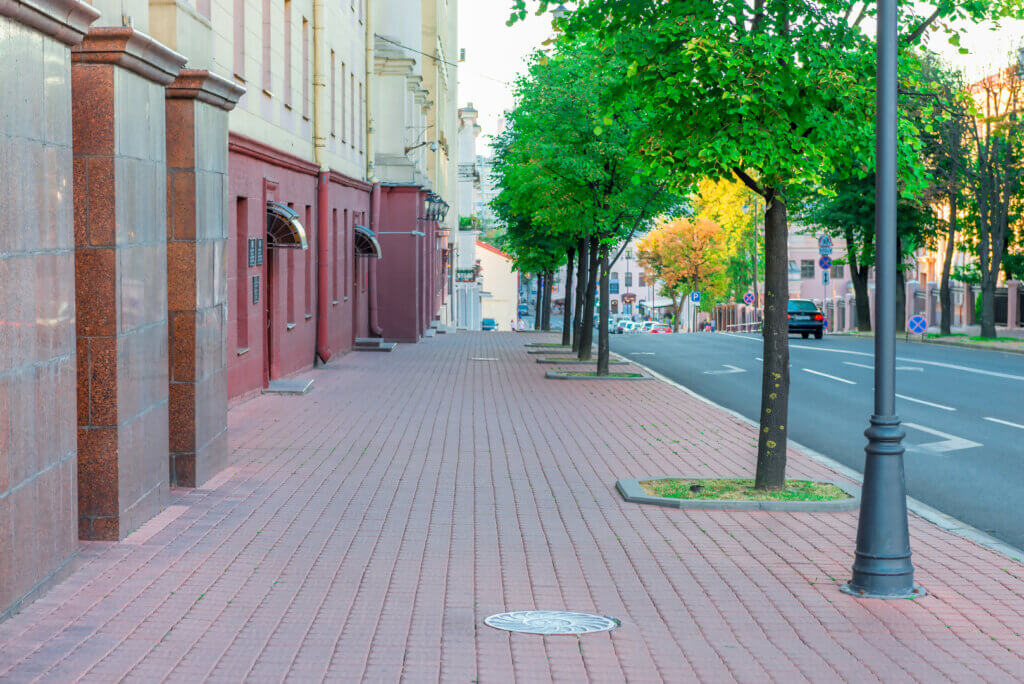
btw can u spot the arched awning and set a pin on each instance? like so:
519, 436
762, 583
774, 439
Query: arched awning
366, 242
284, 231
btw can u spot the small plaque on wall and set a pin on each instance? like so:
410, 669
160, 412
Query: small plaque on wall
252, 252
255, 289
259, 251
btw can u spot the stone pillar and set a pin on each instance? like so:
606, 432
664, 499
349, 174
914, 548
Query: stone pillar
38, 499
910, 288
1013, 312
197, 109
118, 118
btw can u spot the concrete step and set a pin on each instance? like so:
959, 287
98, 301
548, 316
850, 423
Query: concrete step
289, 386
373, 344
429, 332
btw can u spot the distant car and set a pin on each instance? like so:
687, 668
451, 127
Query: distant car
621, 326
523, 309
646, 326
631, 328
805, 318
661, 328
488, 324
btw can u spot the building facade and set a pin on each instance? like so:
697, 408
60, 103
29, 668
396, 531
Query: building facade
202, 183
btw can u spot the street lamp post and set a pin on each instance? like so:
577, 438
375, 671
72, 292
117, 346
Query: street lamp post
881, 566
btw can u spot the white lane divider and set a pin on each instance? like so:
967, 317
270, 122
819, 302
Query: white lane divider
830, 377
731, 369
641, 353
926, 403
864, 365
948, 443
1004, 422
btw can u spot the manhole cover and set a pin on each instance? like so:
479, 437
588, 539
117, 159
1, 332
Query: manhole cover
551, 622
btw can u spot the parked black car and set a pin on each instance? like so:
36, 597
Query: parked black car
805, 318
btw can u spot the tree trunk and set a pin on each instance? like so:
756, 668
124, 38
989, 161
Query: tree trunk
677, 306
540, 302
602, 323
587, 324
567, 301
771, 446
988, 307
945, 297
583, 257
545, 319
901, 290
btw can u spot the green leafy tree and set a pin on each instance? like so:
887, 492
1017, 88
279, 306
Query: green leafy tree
775, 93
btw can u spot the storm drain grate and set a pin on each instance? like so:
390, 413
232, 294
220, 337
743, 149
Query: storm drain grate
551, 622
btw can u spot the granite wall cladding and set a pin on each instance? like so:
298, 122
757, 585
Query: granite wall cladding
197, 224
121, 280
38, 530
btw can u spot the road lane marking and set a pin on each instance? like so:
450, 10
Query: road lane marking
1005, 422
948, 443
830, 377
732, 369
899, 368
640, 353
758, 358
952, 366
926, 403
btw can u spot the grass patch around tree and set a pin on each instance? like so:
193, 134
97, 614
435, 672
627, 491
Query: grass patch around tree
741, 489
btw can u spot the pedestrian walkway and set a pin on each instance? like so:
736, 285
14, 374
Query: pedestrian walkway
366, 529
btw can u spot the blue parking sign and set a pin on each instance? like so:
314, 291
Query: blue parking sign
695, 297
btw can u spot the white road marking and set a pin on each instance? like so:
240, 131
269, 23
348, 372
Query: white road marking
758, 358
641, 353
830, 377
952, 366
732, 369
864, 365
949, 442
483, 358
926, 403
1004, 422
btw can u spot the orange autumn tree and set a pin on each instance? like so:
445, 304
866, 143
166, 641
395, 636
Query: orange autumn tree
682, 254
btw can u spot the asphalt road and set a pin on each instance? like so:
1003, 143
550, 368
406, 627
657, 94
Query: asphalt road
962, 410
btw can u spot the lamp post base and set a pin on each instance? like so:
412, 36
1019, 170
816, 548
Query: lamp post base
857, 592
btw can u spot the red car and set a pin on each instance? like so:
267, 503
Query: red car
661, 328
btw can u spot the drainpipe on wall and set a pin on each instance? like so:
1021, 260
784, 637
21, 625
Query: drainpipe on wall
374, 226
323, 180
371, 173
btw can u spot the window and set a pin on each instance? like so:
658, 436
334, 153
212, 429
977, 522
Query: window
266, 46
337, 256
309, 264
629, 279
333, 93
613, 287
242, 273
343, 71
838, 270
355, 105
614, 275
239, 39
344, 234
643, 279
305, 67
807, 268
287, 53
362, 123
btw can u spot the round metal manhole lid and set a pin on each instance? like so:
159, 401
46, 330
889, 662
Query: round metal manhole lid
551, 622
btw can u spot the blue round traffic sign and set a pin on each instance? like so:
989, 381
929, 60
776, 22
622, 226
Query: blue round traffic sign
825, 262
748, 298
917, 324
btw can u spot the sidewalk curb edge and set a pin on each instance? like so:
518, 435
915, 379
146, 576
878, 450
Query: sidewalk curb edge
918, 508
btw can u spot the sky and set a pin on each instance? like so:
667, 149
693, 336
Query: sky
496, 53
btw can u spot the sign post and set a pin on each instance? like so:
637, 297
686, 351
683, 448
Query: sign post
917, 325
695, 299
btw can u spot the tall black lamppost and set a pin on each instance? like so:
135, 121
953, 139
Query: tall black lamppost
881, 566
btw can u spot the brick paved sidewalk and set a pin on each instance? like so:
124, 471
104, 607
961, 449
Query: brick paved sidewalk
365, 530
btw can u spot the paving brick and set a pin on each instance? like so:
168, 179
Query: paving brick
363, 532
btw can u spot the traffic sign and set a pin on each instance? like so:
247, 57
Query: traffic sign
748, 298
824, 277
917, 324
825, 262
824, 245
695, 297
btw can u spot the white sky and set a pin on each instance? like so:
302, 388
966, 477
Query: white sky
496, 53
